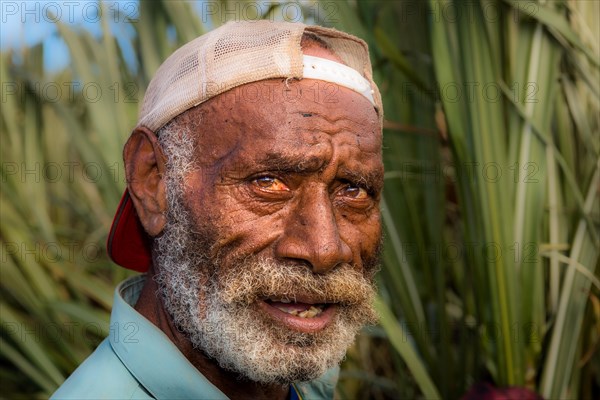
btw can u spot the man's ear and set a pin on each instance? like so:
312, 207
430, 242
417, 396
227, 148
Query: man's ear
145, 168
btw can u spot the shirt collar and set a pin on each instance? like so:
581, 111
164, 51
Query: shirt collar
148, 353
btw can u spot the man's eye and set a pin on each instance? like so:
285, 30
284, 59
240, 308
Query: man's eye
270, 183
355, 192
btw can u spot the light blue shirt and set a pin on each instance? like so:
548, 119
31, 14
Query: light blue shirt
138, 361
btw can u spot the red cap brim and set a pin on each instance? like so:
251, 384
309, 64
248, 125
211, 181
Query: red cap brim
128, 243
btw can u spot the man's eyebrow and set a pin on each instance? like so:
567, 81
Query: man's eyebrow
300, 163
371, 180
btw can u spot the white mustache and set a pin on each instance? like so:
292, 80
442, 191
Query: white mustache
261, 279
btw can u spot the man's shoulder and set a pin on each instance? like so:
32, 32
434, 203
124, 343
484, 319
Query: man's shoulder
101, 376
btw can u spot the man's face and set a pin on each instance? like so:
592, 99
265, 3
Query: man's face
274, 229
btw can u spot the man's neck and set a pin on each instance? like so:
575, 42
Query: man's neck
150, 305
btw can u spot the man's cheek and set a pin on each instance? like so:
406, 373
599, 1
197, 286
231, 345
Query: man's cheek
241, 234
370, 245
364, 233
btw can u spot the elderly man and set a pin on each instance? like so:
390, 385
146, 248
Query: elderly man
254, 177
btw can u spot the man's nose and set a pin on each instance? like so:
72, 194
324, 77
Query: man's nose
311, 234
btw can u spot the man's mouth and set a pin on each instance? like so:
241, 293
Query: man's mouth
301, 310
304, 316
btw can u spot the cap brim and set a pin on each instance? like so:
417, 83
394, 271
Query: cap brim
128, 243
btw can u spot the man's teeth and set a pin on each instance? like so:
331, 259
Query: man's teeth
313, 311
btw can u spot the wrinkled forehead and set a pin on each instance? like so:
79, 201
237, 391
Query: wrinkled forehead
284, 110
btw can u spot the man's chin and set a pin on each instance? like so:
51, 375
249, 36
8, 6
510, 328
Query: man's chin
252, 343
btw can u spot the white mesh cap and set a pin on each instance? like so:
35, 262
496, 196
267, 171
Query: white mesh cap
237, 53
